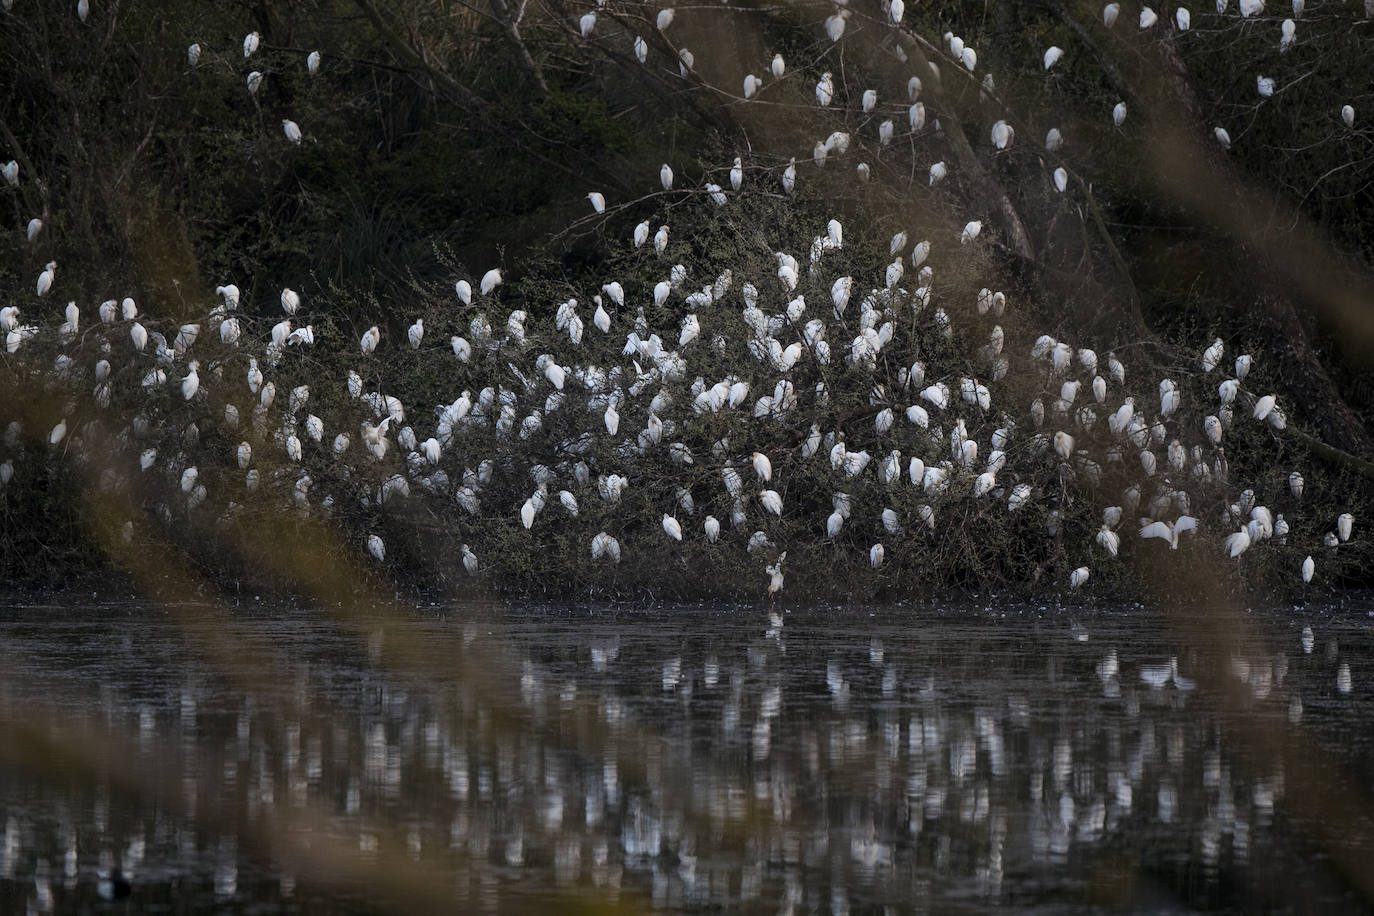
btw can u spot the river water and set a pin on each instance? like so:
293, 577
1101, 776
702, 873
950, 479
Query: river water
484, 758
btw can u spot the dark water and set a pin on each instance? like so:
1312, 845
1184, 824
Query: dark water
475, 759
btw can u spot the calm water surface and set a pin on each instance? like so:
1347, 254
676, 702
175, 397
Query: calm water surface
479, 759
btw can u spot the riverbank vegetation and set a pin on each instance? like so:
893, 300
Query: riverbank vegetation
968, 320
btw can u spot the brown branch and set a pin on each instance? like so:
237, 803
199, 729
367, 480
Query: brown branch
452, 88
511, 26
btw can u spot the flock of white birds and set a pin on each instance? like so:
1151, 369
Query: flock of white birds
588, 399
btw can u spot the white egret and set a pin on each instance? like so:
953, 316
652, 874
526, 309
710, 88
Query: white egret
772, 501
1119, 114
254, 81
292, 130
586, 24
250, 43
598, 201
1061, 180
1109, 14
193, 54
191, 383
490, 280
671, 527
1288, 35
1002, 134
1078, 577
371, 337
1348, 115
312, 63
641, 49
1344, 524
1295, 484
665, 176
10, 171
1264, 86
777, 67
1054, 140
45, 279
1183, 19
937, 173
1223, 137
825, 89
230, 293
416, 333
1308, 569
971, 231
377, 547
35, 226
1148, 17
1052, 55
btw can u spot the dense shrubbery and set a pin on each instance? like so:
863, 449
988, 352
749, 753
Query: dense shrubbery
428, 165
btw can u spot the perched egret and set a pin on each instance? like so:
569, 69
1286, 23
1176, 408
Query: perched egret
665, 176
1078, 577
490, 280
371, 337
250, 43
292, 130
45, 279
312, 63
825, 89
1052, 56
1119, 114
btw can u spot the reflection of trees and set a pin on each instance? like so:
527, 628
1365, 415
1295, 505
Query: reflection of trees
980, 763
